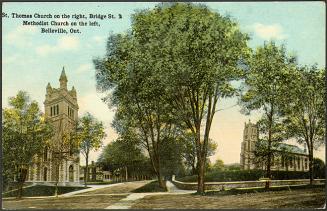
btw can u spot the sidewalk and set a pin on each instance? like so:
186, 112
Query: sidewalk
128, 202
91, 188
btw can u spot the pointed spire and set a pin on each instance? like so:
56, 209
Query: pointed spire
63, 79
73, 92
49, 89
63, 74
49, 86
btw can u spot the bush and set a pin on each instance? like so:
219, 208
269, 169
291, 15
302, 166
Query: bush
245, 175
42, 190
150, 187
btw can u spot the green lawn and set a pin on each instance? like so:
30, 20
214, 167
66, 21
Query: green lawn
42, 190
150, 187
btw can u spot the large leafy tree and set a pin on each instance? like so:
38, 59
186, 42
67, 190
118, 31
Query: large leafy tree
305, 110
267, 79
25, 133
135, 92
200, 54
170, 71
89, 133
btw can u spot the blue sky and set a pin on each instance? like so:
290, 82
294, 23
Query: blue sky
31, 59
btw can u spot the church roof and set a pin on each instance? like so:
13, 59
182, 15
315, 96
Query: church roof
282, 147
290, 148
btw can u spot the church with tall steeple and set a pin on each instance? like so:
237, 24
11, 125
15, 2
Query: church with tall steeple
293, 158
61, 109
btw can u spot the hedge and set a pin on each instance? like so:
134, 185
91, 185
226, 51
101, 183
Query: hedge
42, 190
245, 175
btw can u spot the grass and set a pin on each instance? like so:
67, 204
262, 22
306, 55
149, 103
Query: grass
101, 183
301, 198
236, 191
150, 187
42, 190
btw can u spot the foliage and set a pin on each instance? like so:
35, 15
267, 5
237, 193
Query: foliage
90, 133
25, 132
172, 160
150, 187
199, 55
236, 191
42, 190
63, 146
245, 175
319, 168
168, 73
267, 80
188, 151
232, 167
218, 165
305, 111
123, 153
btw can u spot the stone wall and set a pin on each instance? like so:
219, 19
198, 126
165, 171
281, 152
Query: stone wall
243, 184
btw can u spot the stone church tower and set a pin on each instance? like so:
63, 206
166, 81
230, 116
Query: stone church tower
250, 136
61, 109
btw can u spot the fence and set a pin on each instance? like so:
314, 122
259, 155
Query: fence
243, 184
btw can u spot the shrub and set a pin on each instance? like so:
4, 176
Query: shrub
150, 187
245, 175
42, 190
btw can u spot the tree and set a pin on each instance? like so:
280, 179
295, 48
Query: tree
218, 165
200, 54
305, 111
176, 62
233, 167
25, 133
266, 82
135, 92
189, 151
63, 147
90, 133
319, 168
125, 156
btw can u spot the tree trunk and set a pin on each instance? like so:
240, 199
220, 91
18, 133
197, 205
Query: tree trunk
57, 178
20, 190
86, 178
126, 174
201, 165
268, 173
162, 184
21, 181
311, 164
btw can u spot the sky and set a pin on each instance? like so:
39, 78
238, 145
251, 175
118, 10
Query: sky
31, 59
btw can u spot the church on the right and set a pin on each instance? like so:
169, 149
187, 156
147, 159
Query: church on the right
296, 159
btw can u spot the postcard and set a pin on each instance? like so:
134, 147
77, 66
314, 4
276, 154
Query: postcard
172, 105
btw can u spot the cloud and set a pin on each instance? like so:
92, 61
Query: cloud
267, 32
65, 43
21, 36
99, 39
84, 68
